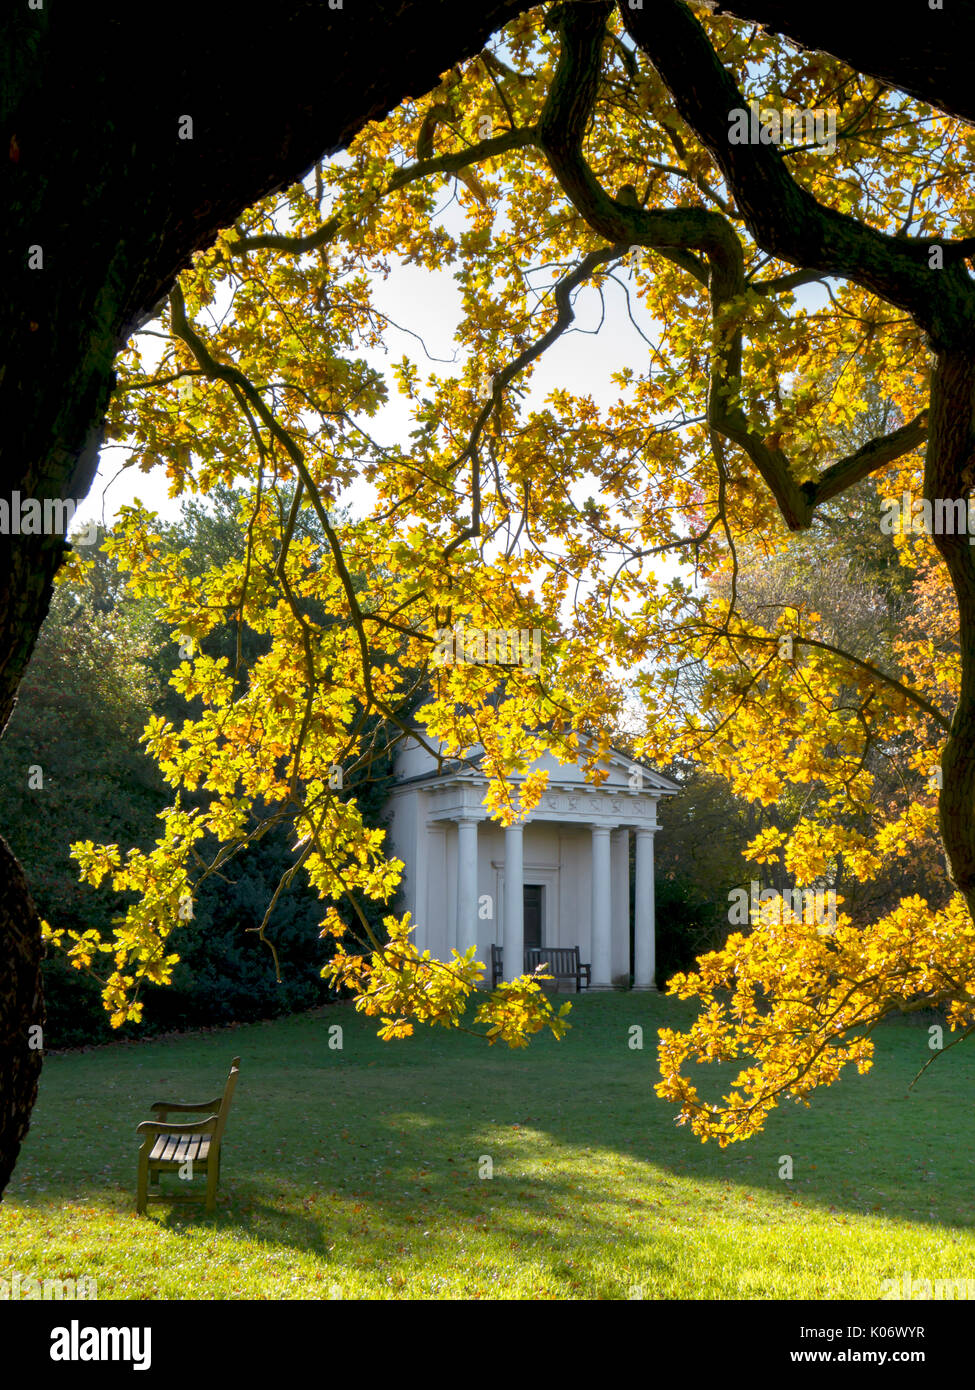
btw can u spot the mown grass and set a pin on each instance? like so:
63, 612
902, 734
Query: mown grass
355, 1173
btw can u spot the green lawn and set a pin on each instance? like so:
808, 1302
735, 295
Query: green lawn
355, 1173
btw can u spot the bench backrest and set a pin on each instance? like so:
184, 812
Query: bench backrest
561, 960
226, 1098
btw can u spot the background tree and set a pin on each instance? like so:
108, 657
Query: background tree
72, 766
225, 973
698, 862
71, 758
867, 589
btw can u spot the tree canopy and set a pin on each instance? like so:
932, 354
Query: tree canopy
625, 139
582, 140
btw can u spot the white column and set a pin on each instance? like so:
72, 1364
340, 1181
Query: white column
601, 908
514, 903
418, 900
644, 925
620, 930
466, 918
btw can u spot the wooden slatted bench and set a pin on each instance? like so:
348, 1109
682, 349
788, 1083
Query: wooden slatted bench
497, 966
167, 1147
562, 961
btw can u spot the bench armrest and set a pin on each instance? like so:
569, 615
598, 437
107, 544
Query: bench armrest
186, 1105
206, 1126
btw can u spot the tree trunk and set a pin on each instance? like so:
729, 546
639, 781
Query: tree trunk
948, 473
21, 1007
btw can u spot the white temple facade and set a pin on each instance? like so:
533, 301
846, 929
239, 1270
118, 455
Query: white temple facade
559, 878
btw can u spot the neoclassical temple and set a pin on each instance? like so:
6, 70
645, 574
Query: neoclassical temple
560, 878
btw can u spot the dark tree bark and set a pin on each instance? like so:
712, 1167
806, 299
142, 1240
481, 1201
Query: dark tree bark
94, 174
902, 42
948, 473
21, 1007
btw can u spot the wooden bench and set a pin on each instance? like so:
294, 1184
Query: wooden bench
561, 961
166, 1147
497, 966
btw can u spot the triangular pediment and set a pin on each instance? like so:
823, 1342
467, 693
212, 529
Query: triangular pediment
417, 764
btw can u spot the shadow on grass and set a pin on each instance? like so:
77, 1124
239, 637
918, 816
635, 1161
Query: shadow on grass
388, 1141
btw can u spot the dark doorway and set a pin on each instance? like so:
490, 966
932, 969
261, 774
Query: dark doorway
533, 914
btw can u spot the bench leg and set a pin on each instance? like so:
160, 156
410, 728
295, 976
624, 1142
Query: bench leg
213, 1177
142, 1183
